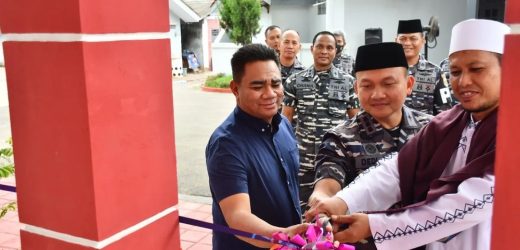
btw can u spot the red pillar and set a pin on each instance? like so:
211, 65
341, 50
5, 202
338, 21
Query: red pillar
92, 123
506, 219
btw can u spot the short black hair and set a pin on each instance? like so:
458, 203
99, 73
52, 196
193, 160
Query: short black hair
251, 53
269, 28
323, 33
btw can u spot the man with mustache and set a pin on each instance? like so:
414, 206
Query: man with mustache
289, 49
443, 178
252, 156
342, 61
382, 127
323, 97
430, 94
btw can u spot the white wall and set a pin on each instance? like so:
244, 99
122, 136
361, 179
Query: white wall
175, 36
266, 20
362, 14
301, 17
175, 44
305, 55
222, 53
335, 20
291, 17
315, 22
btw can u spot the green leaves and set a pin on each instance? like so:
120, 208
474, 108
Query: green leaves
7, 152
240, 18
6, 208
6, 170
218, 81
6, 160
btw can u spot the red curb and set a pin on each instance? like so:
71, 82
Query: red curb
216, 90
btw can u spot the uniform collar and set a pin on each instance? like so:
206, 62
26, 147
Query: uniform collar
334, 72
367, 124
257, 124
297, 64
421, 64
408, 120
370, 125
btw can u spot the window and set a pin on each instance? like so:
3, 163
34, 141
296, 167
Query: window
322, 7
491, 9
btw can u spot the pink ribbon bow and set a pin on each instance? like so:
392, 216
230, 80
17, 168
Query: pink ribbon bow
316, 238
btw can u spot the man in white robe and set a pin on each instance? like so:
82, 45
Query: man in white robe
443, 178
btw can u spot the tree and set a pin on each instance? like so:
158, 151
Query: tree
240, 19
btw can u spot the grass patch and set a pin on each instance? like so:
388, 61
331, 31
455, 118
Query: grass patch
218, 81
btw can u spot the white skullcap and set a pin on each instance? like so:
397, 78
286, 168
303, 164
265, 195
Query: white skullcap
478, 34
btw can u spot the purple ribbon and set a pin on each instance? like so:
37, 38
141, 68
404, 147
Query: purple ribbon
7, 188
228, 230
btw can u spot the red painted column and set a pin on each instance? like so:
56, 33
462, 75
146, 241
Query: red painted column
506, 218
92, 123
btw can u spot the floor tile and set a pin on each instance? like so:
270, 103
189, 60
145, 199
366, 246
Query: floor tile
193, 236
186, 244
200, 247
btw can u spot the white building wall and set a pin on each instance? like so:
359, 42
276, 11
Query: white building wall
335, 20
205, 41
302, 18
222, 53
305, 55
315, 22
362, 14
291, 17
175, 44
266, 20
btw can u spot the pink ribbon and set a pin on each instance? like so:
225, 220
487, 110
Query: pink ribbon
316, 238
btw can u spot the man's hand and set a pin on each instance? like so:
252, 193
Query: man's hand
323, 189
328, 206
316, 197
296, 229
358, 227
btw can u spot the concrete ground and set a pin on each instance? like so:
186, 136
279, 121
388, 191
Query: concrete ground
197, 114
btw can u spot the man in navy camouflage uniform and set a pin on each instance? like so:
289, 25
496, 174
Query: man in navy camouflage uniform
342, 60
380, 128
430, 94
289, 64
445, 68
445, 75
322, 96
272, 37
289, 49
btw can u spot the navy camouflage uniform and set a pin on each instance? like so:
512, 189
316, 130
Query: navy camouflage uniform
445, 68
344, 62
288, 71
357, 144
445, 74
321, 101
430, 94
